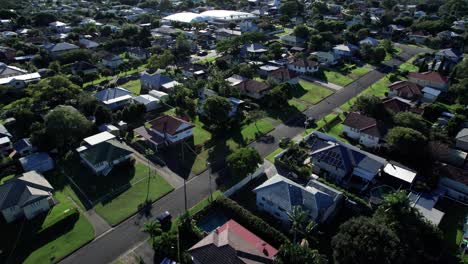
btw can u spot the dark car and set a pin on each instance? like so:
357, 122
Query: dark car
164, 217
202, 53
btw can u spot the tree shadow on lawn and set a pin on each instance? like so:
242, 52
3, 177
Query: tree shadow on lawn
285, 114
180, 158
32, 238
104, 188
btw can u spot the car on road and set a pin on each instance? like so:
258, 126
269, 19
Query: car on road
164, 217
284, 142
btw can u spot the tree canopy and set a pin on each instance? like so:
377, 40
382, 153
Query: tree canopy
216, 109
243, 161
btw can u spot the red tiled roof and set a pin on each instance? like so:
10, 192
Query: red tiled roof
168, 124
252, 86
406, 89
429, 76
246, 246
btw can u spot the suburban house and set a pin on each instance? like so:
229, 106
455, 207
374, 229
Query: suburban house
58, 49
151, 103
40, 162
366, 129
291, 40
369, 41
280, 75
279, 195
60, 27
5, 140
449, 54
453, 181
343, 163
397, 104
101, 152
405, 89
138, 53
431, 79
418, 37
114, 98
232, 243
461, 139
16, 77
88, 44
345, 50
25, 196
425, 203
326, 57
83, 68
165, 130
252, 88
154, 81
112, 61
252, 50
303, 66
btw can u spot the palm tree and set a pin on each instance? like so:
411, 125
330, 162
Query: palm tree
153, 228
298, 217
309, 232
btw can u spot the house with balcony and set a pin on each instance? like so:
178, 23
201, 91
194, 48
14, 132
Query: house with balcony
165, 131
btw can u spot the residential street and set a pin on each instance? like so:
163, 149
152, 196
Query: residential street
127, 235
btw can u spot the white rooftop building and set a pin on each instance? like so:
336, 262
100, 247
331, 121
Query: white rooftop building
210, 16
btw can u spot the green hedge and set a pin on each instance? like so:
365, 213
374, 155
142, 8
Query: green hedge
245, 218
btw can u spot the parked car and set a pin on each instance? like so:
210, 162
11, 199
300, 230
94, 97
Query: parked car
202, 53
284, 142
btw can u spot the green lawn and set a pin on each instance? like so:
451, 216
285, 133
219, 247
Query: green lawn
200, 135
313, 93
208, 59
298, 105
271, 156
263, 126
126, 204
6, 178
359, 72
47, 238
408, 65
337, 78
452, 225
133, 86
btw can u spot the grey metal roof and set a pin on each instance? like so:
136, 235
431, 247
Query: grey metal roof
4, 131
28, 188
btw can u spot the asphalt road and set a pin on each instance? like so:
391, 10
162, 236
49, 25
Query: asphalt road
110, 245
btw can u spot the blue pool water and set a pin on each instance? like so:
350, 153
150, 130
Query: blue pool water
212, 221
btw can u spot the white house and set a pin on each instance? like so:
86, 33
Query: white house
60, 27
363, 128
151, 103
165, 130
25, 196
303, 66
102, 152
279, 195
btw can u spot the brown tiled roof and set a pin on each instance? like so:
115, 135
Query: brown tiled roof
168, 124
281, 73
365, 124
406, 89
253, 86
395, 105
429, 76
303, 63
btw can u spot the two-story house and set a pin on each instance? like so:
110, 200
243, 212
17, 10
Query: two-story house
303, 66
101, 152
365, 129
25, 196
165, 130
279, 195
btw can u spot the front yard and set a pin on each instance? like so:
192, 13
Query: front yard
48, 237
310, 92
118, 195
133, 86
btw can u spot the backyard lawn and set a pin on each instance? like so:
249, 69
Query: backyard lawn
133, 86
408, 65
262, 126
126, 204
298, 105
200, 135
313, 93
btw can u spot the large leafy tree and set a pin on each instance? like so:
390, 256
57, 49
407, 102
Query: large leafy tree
406, 141
65, 127
364, 240
411, 120
182, 99
243, 161
216, 109
161, 61
53, 91
102, 115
